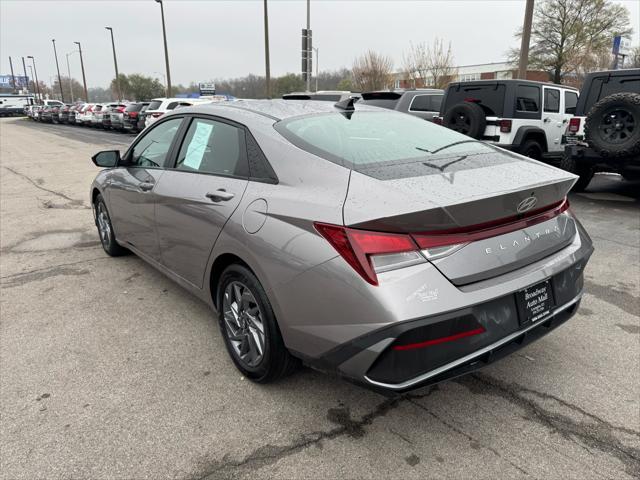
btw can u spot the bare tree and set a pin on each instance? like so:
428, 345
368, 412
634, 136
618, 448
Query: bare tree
570, 36
430, 65
372, 71
633, 60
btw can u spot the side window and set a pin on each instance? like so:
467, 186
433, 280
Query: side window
527, 99
172, 105
153, 148
551, 100
422, 103
570, 102
436, 102
213, 147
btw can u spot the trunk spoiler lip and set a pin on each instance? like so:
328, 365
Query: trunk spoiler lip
493, 228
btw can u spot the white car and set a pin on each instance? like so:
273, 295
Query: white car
160, 106
97, 114
83, 116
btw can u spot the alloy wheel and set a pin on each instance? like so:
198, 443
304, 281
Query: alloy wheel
104, 225
244, 323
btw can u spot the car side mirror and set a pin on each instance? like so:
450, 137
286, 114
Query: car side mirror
106, 158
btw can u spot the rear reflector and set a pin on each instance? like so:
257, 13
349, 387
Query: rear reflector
574, 125
437, 341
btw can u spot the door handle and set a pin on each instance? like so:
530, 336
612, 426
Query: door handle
547, 120
145, 186
220, 195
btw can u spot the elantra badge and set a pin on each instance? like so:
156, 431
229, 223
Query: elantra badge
527, 204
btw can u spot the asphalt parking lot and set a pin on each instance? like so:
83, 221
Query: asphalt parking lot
109, 370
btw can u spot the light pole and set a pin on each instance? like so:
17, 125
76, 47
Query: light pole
166, 51
308, 56
53, 40
115, 62
266, 52
25, 73
84, 80
69, 73
35, 71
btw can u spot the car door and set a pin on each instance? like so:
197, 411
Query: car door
553, 119
131, 187
197, 196
426, 106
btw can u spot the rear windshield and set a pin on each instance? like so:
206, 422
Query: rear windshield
133, 107
362, 140
154, 104
490, 97
604, 86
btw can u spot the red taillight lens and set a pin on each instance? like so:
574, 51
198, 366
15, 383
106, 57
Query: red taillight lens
438, 341
121, 109
574, 125
437, 120
505, 126
358, 247
132, 114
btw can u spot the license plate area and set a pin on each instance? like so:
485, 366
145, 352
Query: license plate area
535, 302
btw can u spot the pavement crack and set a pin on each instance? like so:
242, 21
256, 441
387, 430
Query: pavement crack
270, 454
596, 433
468, 436
22, 278
72, 202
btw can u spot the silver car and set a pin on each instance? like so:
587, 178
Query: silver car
358, 240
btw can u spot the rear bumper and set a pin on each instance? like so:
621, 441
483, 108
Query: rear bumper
374, 359
588, 156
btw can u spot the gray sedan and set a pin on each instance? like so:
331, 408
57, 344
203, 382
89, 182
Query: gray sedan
358, 240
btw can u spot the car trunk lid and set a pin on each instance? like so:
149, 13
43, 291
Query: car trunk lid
503, 210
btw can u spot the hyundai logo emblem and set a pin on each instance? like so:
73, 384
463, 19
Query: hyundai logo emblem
527, 204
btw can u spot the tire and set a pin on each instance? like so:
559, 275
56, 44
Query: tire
585, 173
105, 230
241, 329
467, 118
612, 126
531, 149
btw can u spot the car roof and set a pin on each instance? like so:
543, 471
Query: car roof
509, 82
276, 109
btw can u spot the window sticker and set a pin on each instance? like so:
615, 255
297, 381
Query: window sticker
198, 145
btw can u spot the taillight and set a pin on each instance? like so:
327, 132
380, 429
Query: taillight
132, 114
371, 252
505, 126
437, 120
574, 125
121, 109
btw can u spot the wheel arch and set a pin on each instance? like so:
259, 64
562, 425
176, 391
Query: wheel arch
219, 265
531, 133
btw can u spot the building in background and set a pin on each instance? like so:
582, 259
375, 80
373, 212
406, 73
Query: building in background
467, 73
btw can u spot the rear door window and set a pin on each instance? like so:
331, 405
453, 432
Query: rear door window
551, 100
172, 105
155, 104
213, 147
426, 103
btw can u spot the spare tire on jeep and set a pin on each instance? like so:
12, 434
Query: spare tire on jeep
467, 118
612, 127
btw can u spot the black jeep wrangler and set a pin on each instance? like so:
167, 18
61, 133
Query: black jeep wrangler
604, 134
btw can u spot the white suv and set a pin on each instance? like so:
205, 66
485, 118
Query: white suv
521, 115
160, 106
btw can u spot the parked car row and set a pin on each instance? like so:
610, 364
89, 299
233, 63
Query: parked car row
121, 116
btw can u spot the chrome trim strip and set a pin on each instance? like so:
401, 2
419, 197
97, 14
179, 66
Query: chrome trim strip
477, 353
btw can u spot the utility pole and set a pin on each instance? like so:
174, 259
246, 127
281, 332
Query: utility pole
115, 62
166, 50
526, 37
13, 77
266, 51
33, 60
58, 67
84, 80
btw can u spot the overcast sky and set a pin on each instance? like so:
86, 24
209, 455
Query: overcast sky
214, 39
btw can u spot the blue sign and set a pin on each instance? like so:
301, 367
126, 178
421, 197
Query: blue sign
7, 82
616, 44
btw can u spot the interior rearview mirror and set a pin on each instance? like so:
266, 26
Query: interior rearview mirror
106, 158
